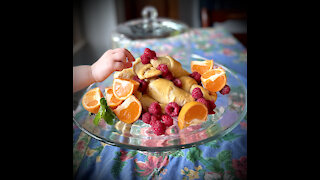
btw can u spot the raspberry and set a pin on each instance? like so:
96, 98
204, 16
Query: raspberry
158, 128
169, 76
163, 68
153, 119
212, 104
225, 90
205, 102
144, 59
167, 120
146, 117
154, 108
197, 93
172, 109
196, 76
149, 53
143, 84
177, 82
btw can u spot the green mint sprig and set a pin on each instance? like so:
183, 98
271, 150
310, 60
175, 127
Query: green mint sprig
104, 113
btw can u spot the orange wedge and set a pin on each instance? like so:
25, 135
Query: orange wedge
123, 88
129, 111
91, 100
112, 100
191, 113
214, 79
201, 66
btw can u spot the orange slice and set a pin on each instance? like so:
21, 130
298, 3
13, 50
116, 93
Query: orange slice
112, 100
201, 66
214, 79
123, 88
129, 111
191, 113
91, 100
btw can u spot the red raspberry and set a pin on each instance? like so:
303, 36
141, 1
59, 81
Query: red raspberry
205, 102
149, 53
163, 68
158, 128
197, 93
153, 119
172, 109
155, 108
212, 104
145, 59
177, 82
146, 117
143, 84
196, 76
225, 90
167, 120
169, 76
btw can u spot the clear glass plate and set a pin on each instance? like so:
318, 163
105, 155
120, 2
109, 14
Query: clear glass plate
230, 110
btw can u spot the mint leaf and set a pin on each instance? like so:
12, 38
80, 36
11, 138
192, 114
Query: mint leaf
104, 113
97, 118
108, 115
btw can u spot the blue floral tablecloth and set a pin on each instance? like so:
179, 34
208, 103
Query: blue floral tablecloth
224, 158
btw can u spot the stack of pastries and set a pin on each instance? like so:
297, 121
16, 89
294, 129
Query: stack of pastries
163, 83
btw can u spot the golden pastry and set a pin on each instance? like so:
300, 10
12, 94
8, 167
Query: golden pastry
164, 91
145, 70
187, 82
124, 74
174, 66
206, 93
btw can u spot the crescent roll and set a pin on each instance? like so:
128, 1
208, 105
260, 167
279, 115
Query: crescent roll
164, 91
124, 74
187, 82
174, 66
145, 70
206, 93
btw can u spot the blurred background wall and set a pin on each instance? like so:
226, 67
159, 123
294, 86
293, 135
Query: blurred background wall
94, 20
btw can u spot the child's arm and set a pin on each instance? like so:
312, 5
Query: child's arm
110, 61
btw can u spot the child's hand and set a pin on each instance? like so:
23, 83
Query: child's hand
110, 61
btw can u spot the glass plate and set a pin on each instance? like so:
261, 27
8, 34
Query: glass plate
230, 110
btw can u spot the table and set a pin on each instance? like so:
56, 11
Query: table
224, 158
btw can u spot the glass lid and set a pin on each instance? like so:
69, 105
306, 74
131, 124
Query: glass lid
150, 26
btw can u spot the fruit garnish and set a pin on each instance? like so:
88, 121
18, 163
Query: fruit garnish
112, 100
191, 112
123, 88
172, 109
225, 90
214, 79
130, 110
201, 66
155, 108
197, 93
196, 76
91, 100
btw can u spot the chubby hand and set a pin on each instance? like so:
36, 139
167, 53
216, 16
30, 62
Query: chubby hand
110, 61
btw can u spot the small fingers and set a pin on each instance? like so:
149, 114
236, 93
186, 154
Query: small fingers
126, 52
118, 66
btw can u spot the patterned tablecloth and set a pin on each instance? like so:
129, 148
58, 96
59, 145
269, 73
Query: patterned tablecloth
224, 158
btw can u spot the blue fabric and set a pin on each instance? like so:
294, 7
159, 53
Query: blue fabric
224, 158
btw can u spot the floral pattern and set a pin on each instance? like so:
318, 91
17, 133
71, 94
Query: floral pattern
223, 158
